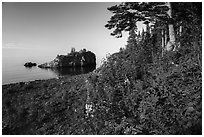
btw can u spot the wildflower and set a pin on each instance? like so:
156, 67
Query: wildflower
127, 81
88, 108
174, 64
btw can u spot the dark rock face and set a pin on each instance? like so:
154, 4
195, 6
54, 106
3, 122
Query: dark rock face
75, 59
71, 71
30, 64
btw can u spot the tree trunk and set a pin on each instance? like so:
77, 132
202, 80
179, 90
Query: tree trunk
171, 43
147, 28
180, 33
143, 35
165, 36
163, 41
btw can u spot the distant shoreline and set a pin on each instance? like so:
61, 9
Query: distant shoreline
29, 81
14, 71
35, 73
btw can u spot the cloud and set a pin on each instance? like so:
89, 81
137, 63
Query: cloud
13, 46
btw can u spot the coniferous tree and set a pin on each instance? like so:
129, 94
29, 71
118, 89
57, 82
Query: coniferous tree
132, 39
126, 14
172, 39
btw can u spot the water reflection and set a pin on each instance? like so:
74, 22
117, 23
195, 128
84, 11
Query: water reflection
71, 71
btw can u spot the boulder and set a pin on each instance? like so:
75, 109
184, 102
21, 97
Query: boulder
30, 64
73, 59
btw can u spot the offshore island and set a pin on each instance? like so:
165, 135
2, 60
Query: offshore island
82, 58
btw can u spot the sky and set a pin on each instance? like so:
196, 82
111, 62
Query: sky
48, 29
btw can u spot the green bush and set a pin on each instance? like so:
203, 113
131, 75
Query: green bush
153, 94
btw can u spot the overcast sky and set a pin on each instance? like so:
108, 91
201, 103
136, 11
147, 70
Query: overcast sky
53, 28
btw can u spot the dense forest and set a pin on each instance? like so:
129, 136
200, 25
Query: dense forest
152, 86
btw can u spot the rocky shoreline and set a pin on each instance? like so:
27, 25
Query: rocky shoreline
52, 106
44, 106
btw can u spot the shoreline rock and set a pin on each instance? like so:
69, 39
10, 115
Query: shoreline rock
30, 64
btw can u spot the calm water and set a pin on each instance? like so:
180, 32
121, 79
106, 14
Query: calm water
13, 70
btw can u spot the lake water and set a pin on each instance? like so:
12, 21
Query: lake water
13, 70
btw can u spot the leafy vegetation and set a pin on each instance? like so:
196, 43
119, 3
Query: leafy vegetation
160, 97
139, 90
151, 93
